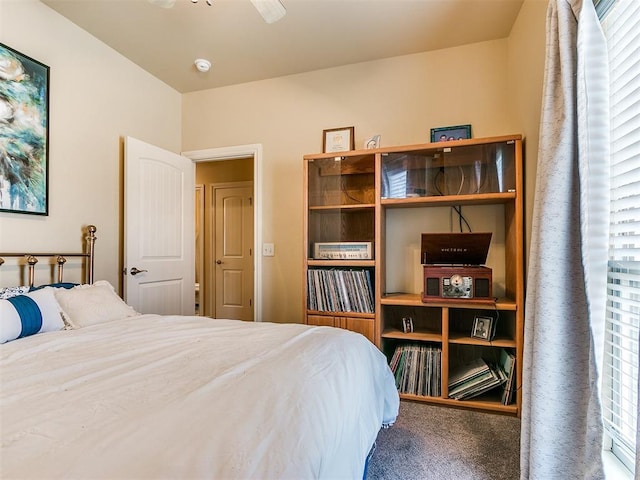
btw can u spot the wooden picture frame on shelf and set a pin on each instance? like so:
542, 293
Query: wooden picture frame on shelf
338, 139
448, 134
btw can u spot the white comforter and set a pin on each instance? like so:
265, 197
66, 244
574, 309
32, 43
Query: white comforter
188, 397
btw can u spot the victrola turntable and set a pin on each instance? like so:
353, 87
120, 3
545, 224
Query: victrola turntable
453, 267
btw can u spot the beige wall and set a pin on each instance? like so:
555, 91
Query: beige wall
222, 171
400, 98
526, 47
97, 98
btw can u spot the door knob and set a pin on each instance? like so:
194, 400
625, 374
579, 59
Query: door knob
219, 262
135, 271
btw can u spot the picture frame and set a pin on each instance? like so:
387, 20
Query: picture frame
24, 153
338, 139
483, 328
407, 325
447, 134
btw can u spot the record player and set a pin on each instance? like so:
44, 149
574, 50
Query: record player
453, 265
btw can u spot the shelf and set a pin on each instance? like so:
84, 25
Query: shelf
415, 300
336, 208
457, 338
342, 314
447, 200
465, 339
418, 336
474, 404
341, 263
417, 147
355, 156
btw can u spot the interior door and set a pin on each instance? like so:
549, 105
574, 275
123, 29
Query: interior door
159, 230
234, 252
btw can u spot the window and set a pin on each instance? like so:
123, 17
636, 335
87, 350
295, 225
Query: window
621, 24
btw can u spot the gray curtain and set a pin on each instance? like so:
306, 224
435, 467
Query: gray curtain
561, 435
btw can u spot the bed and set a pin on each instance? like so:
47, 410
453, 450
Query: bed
109, 393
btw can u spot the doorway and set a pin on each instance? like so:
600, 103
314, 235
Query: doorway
224, 275
225, 166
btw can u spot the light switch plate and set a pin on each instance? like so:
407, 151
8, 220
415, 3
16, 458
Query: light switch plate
268, 250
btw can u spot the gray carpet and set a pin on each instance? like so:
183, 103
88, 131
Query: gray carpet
433, 442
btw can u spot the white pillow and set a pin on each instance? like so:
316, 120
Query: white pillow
24, 315
86, 305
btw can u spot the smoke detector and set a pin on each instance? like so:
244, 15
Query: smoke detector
202, 65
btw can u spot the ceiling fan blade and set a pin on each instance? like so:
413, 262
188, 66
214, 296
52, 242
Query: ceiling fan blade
271, 10
163, 3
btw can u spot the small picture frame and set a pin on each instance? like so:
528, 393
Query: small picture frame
407, 325
338, 139
448, 134
483, 328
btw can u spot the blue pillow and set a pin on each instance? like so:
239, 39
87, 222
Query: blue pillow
28, 314
66, 285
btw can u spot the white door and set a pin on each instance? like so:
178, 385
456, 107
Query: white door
159, 230
234, 252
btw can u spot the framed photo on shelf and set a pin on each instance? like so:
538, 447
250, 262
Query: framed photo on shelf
407, 325
483, 328
24, 158
447, 134
338, 139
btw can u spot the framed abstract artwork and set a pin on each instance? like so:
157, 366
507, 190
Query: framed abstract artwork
24, 133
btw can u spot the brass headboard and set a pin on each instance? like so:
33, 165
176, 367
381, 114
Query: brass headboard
61, 258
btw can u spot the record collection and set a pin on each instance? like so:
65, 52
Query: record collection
417, 369
478, 376
340, 290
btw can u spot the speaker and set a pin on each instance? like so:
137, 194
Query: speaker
432, 286
482, 287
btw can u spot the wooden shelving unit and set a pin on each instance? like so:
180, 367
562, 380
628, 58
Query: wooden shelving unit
387, 197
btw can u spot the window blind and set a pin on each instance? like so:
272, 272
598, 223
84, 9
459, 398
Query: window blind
620, 373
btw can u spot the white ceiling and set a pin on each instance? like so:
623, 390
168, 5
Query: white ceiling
314, 34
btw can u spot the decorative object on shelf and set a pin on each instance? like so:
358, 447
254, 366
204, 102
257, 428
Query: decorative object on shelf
483, 328
338, 139
407, 325
372, 142
24, 150
446, 134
